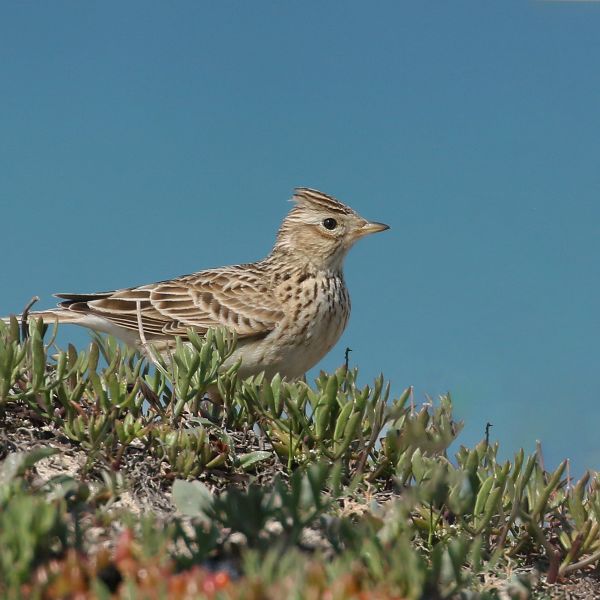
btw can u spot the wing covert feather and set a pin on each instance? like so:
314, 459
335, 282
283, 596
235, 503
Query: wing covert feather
236, 297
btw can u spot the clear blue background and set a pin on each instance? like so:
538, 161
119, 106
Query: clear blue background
143, 140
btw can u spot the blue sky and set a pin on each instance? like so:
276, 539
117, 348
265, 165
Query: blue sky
144, 140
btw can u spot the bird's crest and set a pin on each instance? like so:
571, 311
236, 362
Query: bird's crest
314, 198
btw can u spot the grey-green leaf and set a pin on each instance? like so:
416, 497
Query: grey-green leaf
192, 498
16, 463
250, 459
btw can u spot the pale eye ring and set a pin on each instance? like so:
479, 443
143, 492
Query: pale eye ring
329, 223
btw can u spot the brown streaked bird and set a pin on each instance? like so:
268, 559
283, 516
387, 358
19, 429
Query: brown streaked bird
287, 310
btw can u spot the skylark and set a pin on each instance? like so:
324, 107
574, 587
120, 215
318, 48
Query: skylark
287, 310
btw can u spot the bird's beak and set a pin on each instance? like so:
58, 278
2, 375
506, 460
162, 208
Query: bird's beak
372, 227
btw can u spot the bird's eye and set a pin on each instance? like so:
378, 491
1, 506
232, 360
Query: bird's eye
330, 223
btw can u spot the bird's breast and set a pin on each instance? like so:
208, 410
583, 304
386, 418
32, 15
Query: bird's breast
316, 312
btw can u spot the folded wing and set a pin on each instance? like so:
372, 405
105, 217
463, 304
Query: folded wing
236, 297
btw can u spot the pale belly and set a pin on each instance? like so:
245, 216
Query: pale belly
291, 349
294, 347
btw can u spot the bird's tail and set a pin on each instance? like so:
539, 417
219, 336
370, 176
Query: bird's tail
57, 315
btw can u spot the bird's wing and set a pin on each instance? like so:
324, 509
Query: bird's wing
235, 297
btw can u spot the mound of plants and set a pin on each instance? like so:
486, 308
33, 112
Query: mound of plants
120, 478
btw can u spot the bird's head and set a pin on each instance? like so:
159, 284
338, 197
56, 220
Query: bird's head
321, 230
